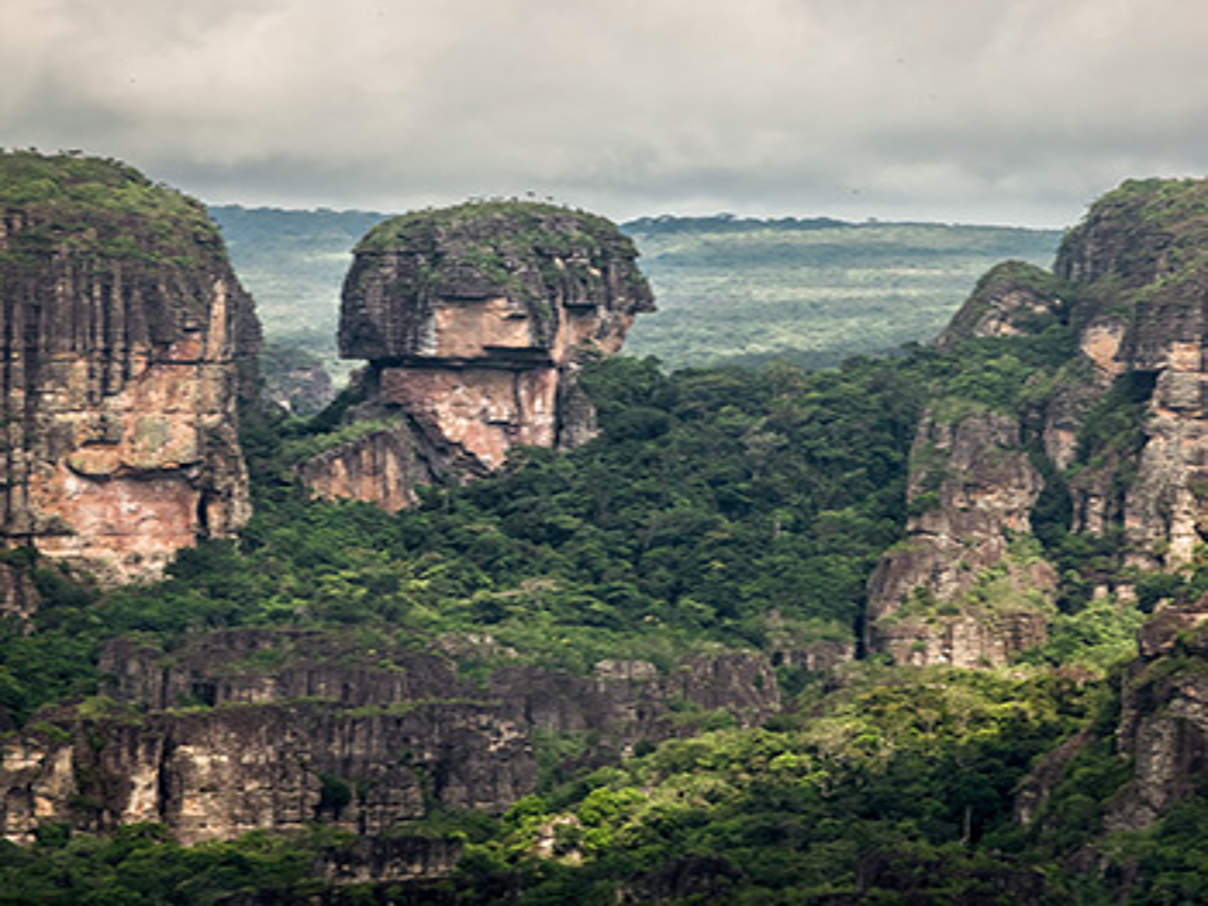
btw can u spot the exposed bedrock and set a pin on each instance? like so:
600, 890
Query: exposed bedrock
1163, 718
1131, 282
953, 592
474, 321
127, 342
247, 729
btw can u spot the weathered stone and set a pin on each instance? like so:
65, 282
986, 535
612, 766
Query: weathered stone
971, 483
1163, 719
127, 342
242, 729
475, 320
1012, 299
1135, 283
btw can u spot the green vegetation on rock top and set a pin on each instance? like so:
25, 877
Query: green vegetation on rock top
88, 205
1145, 231
504, 227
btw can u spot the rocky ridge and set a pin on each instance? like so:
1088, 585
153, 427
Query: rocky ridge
127, 343
474, 321
1122, 426
255, 728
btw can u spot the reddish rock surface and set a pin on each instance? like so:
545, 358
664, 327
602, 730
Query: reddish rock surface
126, 343
475, 321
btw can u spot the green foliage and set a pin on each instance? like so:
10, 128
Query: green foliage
1098, 636
902, 768
140, 865
91, 207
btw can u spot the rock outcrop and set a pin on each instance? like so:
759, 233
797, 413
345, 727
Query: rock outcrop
1142, 315
247, 729
1163, 718
474, 321
127, 342
952, 592
1123, 424
1012, 299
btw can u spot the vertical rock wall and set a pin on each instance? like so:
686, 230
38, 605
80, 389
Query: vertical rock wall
1134, 279
127, 342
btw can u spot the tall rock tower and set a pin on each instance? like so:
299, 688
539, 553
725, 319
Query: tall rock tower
474, 321
127, 341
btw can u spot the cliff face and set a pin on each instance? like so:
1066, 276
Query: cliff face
250, 729
1163, 718
475, 320
952, 592
1124, 421
1138, 261
127, 342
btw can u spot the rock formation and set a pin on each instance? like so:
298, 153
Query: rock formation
1163, 718
247, 729
1125, 421
127, 341
970, 480
474, 321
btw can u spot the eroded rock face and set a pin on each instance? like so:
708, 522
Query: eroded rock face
1125, 420
127, 342
970, 484
247, 729
1012, 299
1143, 311
1163, 718
475, 321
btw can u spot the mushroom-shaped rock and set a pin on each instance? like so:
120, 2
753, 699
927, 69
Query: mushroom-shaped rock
475, 320
510, 284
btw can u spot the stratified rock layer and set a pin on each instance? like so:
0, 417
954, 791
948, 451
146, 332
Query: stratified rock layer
475, 320
270, 719
127, 342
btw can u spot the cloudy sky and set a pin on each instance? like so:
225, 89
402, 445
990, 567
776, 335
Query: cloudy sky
1003, 111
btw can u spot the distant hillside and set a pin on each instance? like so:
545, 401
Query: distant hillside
294, 262
812, 290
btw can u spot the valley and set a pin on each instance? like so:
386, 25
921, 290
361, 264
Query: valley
518, 618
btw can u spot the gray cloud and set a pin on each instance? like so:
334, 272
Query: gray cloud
1007, 111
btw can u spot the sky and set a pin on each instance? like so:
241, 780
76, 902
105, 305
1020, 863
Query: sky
974, 111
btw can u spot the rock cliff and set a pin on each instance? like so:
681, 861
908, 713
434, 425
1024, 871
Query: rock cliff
247, 729
1163, 718
127, 342
474, 321
954, 592
1122, 424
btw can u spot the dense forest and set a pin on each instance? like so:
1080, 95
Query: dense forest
727, 506
723, 511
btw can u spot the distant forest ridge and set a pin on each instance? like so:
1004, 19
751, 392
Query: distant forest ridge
673, 223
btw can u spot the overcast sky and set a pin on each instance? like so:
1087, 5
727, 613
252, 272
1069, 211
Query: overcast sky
1002, 111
